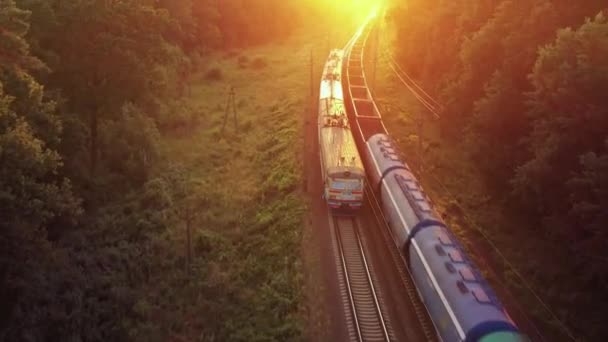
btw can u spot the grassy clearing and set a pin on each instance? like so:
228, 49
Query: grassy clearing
246, 282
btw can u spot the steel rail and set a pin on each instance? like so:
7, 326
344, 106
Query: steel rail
367, 314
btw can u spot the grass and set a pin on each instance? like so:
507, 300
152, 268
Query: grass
247, 281
214, 74
259, 63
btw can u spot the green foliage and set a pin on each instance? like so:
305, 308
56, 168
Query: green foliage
214, 74
15, 50
36, 200
529, 109
129, 144
243, 61
242, 24
258, 63
567, 107
95, 197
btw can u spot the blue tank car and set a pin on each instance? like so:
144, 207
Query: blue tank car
460, 302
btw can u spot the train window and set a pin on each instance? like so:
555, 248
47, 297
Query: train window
411, 185
388, 150
444, 239
440, 250
406, 182
462, 286
424, 206
384, 142
403, 177
467, 275
428, 199
456, 256
390, 156
481, 296
450, 267
418, 196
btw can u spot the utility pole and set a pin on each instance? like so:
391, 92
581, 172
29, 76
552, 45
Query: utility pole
188, 213
230, 102
189, 218
189, 208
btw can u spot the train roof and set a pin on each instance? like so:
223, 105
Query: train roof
462, 287
331, 90
333, 66
332, 108
338, 149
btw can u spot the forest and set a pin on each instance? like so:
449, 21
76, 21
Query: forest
90, 200
523, 85
89, 90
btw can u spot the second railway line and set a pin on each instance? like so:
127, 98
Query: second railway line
368, 320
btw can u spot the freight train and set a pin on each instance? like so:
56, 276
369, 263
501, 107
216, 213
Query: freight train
341, 165
460, 302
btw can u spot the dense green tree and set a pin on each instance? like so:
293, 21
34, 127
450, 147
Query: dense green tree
88, 88
37, 203
498, 121
242, 24
206, 16
15, 49
197, 23
126, 58
534, 116
33, 189
568, 110
588, 200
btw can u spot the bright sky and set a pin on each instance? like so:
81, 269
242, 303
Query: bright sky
355, 8
357, 5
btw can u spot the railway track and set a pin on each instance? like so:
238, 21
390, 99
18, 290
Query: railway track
356, 81
406, 279
367, 320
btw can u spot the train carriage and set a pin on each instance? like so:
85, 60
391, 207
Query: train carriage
462, 305
343, 173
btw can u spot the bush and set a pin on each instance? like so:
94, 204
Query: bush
214, 74
243, 61
232, 54
259, 63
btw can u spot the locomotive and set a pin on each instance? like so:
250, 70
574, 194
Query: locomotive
341, 165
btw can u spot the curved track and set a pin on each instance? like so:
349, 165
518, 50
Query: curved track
368, 122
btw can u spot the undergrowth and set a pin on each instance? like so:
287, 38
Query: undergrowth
240, 183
